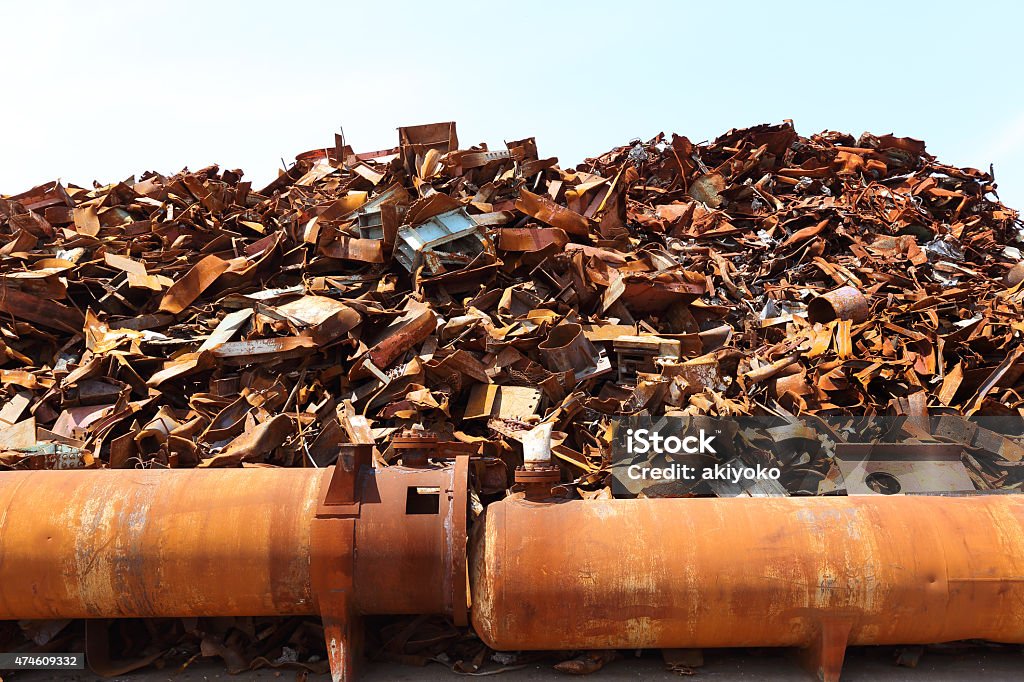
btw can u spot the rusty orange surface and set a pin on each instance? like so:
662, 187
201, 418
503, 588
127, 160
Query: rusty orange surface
180, 542
679, 573
227, 542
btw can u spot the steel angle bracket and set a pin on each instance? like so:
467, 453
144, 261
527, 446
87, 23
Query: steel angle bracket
907, 468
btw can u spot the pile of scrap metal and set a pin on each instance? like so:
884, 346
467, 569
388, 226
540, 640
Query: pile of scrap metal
192, 321
433, 302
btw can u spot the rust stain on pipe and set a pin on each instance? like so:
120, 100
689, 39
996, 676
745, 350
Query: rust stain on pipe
110, 544
673, 573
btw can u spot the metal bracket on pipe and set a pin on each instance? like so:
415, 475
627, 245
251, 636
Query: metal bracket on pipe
332, 560
358, 506
823, 659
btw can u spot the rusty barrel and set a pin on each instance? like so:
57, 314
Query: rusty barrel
679, 573
131, 543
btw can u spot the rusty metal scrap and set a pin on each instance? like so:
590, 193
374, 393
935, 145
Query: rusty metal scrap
907, 467
763, 271
428, 303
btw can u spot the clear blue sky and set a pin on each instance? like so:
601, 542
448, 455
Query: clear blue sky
102, 90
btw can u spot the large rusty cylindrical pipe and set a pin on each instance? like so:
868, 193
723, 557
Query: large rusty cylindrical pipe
109, 544
340, 542
679, 573
221, 542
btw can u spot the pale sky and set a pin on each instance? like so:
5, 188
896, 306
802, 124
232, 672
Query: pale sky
104, 90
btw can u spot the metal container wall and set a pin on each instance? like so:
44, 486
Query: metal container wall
676, 573
130, 543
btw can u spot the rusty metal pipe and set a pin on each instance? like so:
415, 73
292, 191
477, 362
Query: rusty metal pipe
114, 544
341, 542
844, 303
786, 572
816, 573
